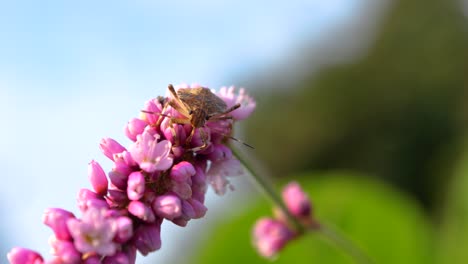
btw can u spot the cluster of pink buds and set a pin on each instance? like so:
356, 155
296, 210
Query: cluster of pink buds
162, 175
273, 234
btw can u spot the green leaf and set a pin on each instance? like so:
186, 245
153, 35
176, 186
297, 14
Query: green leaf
389, 226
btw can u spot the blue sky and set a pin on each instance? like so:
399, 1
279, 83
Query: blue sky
72, 72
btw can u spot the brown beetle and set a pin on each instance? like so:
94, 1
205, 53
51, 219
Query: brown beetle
198, 106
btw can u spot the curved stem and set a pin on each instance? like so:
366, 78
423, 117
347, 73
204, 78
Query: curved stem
338, 240
345, 244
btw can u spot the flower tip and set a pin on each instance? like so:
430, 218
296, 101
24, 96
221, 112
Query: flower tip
18, 255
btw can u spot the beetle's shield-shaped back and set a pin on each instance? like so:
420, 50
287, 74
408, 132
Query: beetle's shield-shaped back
202, 98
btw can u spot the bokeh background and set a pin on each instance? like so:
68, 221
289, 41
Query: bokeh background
364, 102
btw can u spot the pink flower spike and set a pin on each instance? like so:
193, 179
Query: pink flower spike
296, 200
148, 238
56, 219
97, 177
270, 236
134, 128
19, 255
136, 185
167, 206
151, 155
94, 232
142, 211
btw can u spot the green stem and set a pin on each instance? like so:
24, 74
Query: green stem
267, 189
345, 244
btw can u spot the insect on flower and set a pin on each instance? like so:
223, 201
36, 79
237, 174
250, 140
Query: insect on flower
198, 106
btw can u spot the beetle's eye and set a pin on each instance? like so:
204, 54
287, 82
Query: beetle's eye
191, 112
207, 117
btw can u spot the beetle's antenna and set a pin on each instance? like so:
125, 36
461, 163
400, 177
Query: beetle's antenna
233, 138
238, 140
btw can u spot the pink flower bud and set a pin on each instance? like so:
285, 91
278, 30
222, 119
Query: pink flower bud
109, 147
154, 107
124, 229
167, 206
199, 208
91, 260
182, 171
134, 127
19, 255
296, 200
141, 211
270, 236
119, 258
117, 197
118, 179
64, 251
136, 185
121, 164
97, 177
56, 219
147, 238
220, 152
199, 185
188, 210
87, 198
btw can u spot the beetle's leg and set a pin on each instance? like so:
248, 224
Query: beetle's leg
178, 104
174, 121
179, 109
203, 138
221, 116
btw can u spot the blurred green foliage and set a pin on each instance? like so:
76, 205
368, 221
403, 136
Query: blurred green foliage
390, 227
453, 241
399, 112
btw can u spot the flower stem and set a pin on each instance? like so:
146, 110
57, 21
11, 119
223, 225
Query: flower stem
268, 190
345, 244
